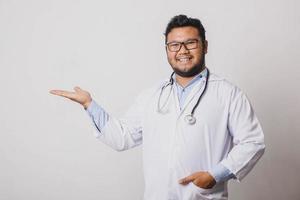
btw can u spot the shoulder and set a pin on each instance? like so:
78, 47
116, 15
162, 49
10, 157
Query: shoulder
223, 87
221, 82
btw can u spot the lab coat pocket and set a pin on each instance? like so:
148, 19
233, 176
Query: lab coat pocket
201, 193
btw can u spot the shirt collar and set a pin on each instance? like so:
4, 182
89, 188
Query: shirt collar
196, 79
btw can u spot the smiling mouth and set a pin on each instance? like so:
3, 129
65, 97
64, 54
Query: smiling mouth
184, 59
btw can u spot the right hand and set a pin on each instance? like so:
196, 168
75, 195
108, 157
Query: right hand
80, 96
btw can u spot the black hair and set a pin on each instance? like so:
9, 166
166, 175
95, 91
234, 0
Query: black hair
182, 21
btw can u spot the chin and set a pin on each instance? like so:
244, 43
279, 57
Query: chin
185, 68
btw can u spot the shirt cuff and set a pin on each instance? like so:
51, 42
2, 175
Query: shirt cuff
98, 115
91, 107
221, 173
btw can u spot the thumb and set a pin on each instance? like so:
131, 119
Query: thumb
77, 89
187, 180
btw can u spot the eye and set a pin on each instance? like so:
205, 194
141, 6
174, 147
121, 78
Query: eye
191, 42
174, 45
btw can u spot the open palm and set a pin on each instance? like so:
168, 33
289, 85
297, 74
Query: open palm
80, 96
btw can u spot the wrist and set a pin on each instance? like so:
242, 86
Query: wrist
211, 179
87, 103
221, 173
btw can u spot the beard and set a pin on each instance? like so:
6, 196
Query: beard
193, 71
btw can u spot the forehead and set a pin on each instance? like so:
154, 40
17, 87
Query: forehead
183, 33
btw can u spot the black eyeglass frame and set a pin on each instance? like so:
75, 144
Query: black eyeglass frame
185, 45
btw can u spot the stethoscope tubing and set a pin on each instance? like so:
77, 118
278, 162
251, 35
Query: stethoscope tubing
204, 90
190, 118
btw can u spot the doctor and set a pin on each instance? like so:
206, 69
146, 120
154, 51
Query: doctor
198, 130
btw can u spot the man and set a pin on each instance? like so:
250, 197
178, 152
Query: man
198, 130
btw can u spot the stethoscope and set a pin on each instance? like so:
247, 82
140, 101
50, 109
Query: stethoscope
189, 118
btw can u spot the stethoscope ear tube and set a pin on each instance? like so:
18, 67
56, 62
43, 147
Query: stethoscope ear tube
159, 107
170, 82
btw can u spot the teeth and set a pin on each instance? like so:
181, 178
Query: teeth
183, 59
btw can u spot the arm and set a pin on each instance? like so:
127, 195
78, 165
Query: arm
98, 116
120, 134
207, 179
248, 138
248, 141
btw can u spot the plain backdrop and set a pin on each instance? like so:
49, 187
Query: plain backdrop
115, 49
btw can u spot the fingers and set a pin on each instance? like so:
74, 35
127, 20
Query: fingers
201, 179
63, 93
187, 179
80, 96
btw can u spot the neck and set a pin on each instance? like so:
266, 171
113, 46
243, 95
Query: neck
183, 81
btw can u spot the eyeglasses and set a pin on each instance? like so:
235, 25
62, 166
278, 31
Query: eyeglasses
189, 44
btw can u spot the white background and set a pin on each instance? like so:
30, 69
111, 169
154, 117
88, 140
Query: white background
114, 49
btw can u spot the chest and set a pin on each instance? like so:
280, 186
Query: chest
165, 119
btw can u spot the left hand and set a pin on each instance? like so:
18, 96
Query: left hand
201, 179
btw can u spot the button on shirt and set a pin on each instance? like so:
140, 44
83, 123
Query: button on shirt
99, 117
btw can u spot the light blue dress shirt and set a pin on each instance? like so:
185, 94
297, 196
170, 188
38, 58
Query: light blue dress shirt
99, 117
183, 92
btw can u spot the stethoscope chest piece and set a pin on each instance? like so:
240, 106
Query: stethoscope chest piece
190, 119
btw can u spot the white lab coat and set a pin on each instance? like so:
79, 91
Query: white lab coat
226, 131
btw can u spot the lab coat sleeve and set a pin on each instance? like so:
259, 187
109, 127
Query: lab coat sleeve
248, 138
126, 132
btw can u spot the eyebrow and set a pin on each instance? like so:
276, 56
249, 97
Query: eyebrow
182, 41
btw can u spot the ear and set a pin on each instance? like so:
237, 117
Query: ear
205, 46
